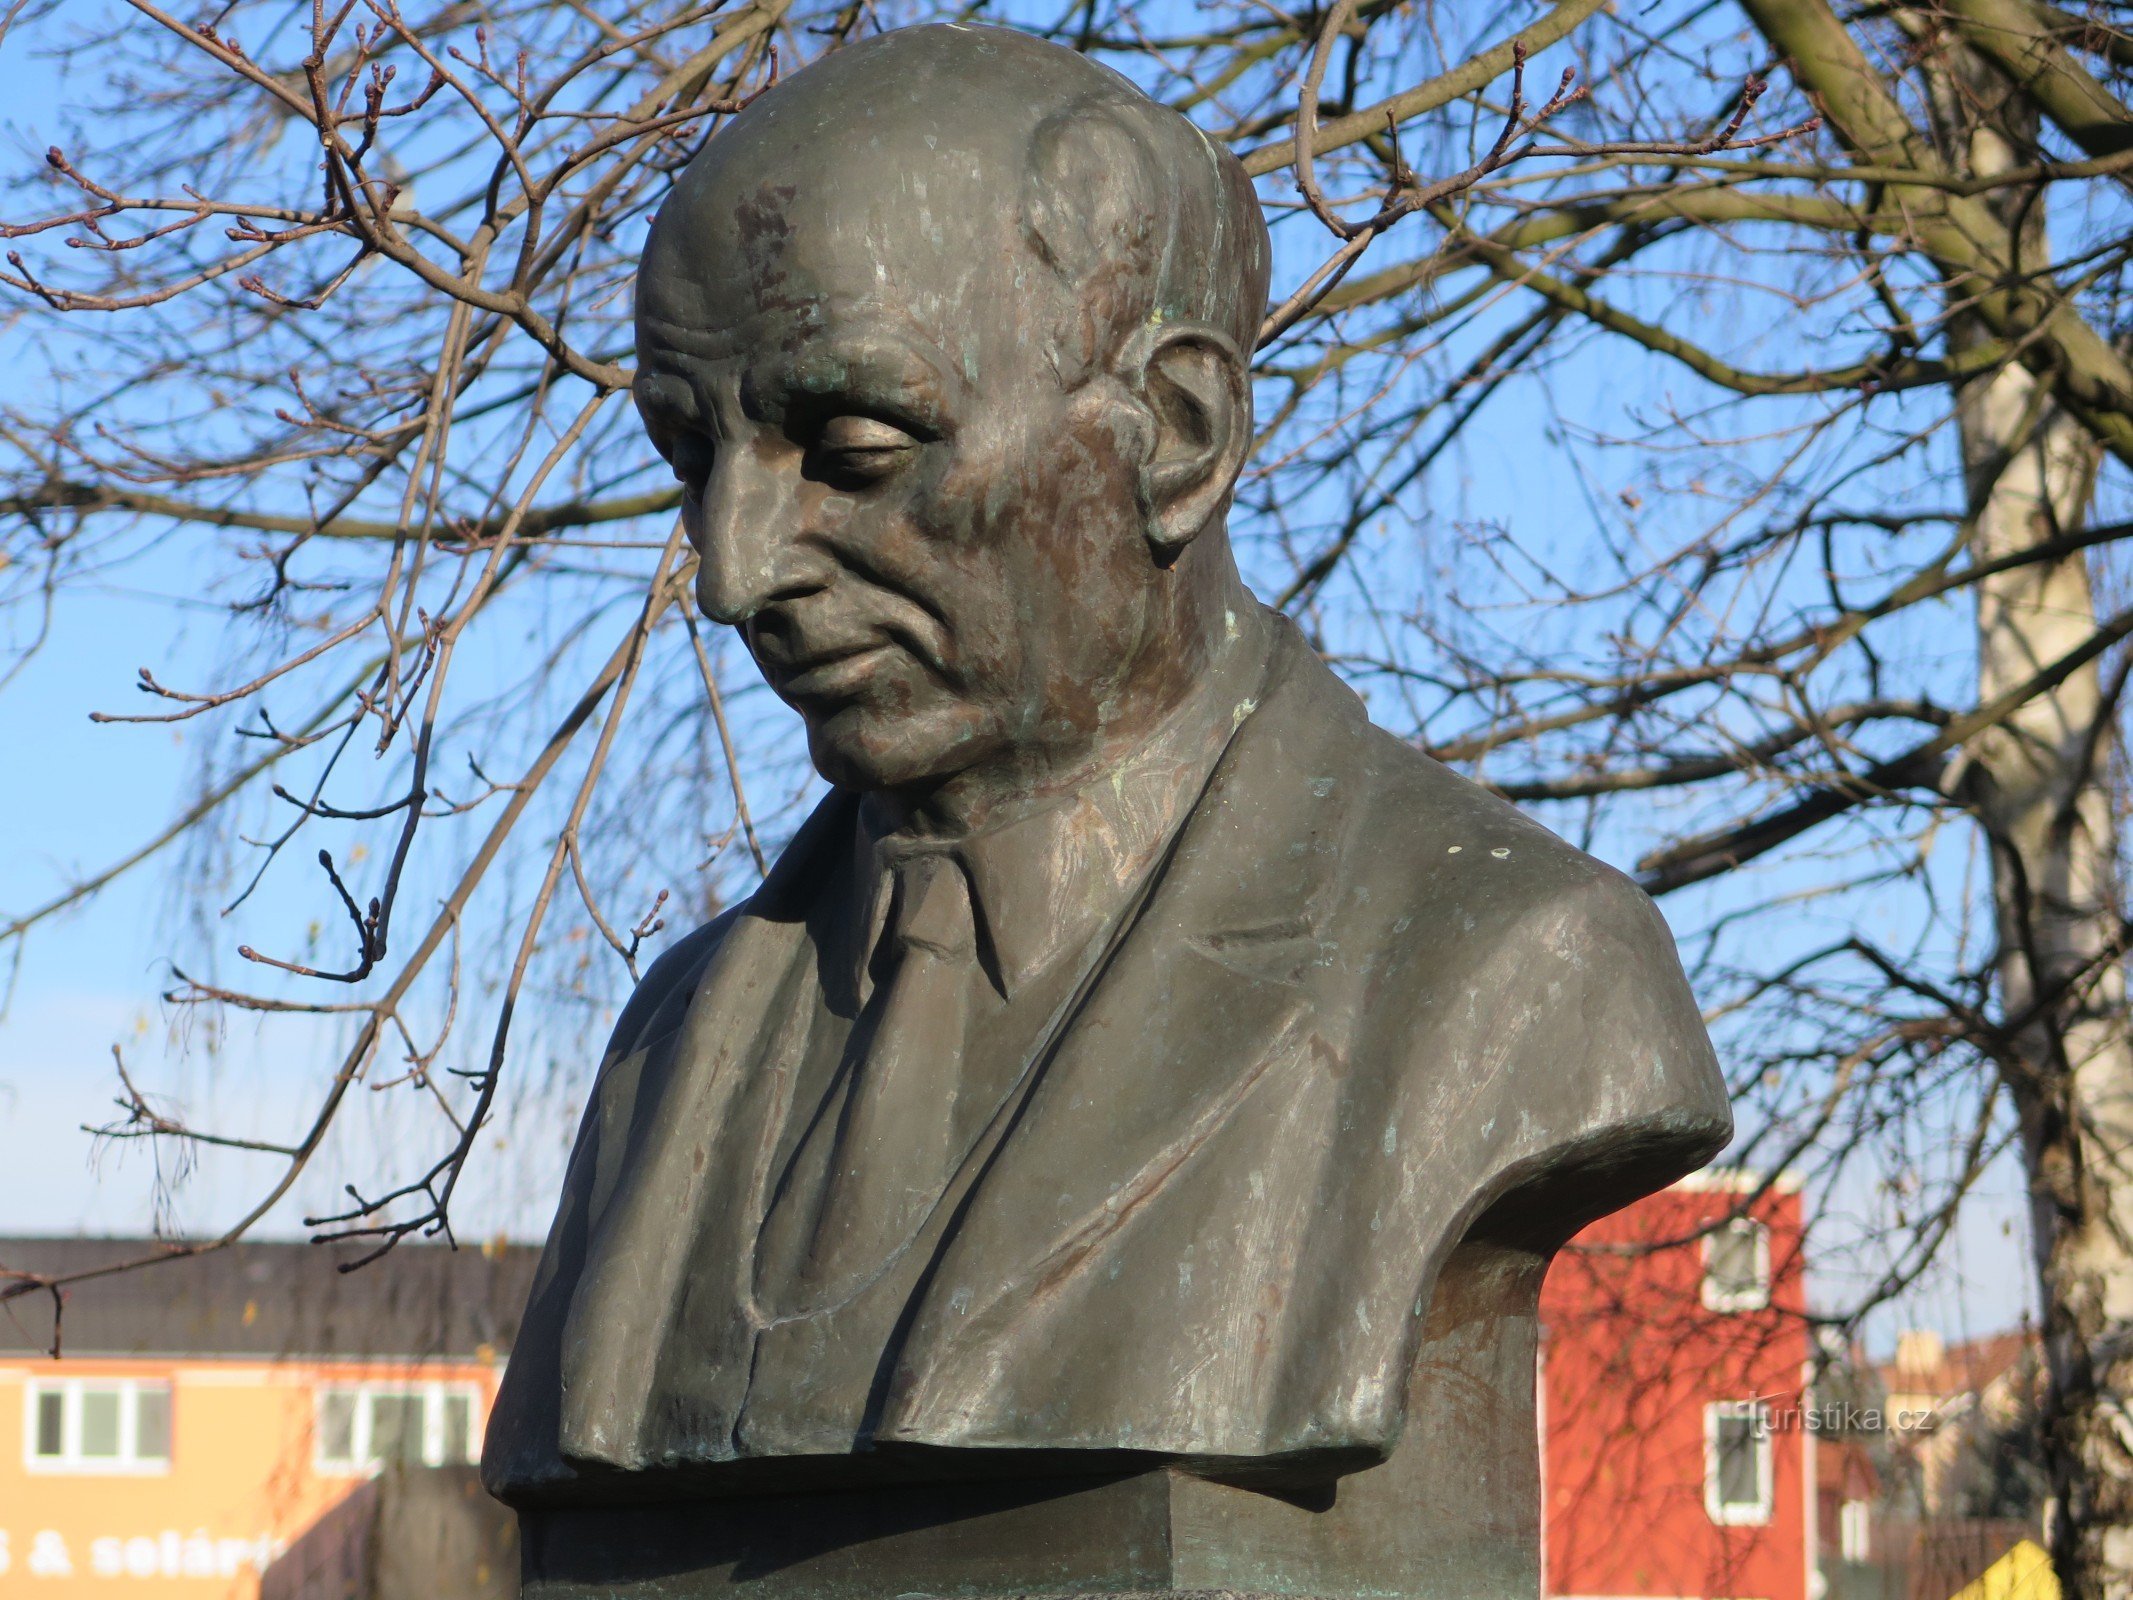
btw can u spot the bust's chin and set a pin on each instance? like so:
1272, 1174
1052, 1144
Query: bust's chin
876, 749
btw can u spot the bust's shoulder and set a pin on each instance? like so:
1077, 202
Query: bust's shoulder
662, 994
1447, 837
1476, 937
1423, 845
687, 954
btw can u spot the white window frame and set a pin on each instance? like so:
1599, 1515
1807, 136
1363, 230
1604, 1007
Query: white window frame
1855, 1531
1738, 1513
432, 1395
128, 1463
1756, 1297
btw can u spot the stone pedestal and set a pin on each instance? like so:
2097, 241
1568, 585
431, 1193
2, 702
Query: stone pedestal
411, 1533
1451, 1516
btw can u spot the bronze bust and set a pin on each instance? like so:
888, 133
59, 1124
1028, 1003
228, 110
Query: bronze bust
1134, 1049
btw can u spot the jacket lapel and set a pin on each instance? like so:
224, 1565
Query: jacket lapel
687, 1127
1203, 997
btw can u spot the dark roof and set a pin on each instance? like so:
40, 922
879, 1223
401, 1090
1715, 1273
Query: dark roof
270, 1300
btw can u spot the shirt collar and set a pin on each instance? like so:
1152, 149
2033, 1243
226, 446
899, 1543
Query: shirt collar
1046, 880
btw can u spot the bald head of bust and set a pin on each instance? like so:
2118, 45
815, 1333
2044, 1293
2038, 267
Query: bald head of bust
947, 337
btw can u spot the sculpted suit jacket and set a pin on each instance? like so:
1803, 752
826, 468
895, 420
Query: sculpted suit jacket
1364, 1011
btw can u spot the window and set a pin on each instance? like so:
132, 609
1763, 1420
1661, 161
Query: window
1854, 1540
1736, 1471
119, 1425
1736, 1267
364, 1427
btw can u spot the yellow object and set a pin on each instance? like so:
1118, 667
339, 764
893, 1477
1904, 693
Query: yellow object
2024, 1573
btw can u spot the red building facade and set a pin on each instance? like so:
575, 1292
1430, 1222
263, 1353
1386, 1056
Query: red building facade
1676, 1459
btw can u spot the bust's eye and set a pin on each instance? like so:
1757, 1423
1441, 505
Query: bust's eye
691, 456
863, 449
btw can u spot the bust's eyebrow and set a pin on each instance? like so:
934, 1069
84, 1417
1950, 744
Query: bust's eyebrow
666, 400
884, 371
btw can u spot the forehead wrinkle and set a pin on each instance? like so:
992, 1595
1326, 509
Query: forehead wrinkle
668, 344
860, 286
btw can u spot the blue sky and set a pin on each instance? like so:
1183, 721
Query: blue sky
85, 792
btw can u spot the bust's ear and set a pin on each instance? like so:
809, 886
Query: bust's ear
1197, 389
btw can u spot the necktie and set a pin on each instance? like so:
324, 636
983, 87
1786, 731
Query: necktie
869, 1171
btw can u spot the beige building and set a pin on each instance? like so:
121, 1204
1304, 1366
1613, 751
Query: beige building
210, 1422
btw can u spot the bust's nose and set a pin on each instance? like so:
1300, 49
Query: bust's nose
744, 524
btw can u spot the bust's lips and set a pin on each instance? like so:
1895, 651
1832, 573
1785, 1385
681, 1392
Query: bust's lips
823, 674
